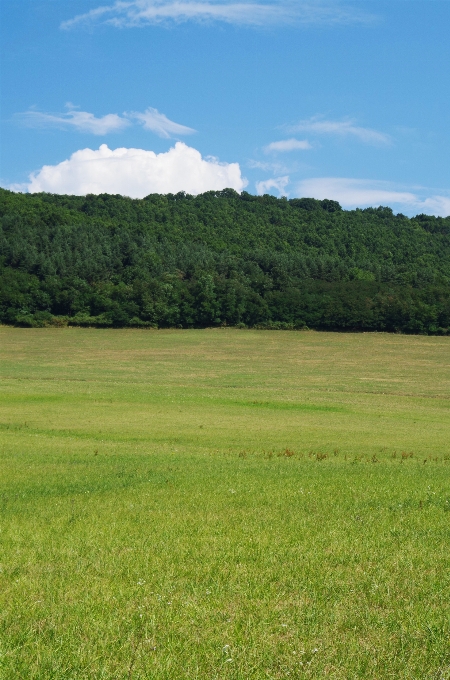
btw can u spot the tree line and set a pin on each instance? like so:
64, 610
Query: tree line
220, 258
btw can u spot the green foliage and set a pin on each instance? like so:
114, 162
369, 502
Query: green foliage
221, 258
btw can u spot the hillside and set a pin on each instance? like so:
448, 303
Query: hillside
220, 258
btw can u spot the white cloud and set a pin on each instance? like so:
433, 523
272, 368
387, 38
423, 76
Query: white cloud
341, 128
159, 123
83, 121
437, 205
143, 12
288, 145
18, 187
277, 183
352, 192
274, 168
357, 193
79, 120
136, 173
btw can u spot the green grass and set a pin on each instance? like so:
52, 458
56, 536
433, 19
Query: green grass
224, 504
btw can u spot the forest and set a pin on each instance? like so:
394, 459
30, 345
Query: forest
220, 259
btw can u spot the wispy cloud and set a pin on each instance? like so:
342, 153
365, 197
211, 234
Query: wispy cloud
274, 168
78, 120
341, 128
158, 123
352, 193
286, 145
82, 121
251, 13
277, 183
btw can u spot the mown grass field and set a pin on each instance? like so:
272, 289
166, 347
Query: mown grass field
224, 504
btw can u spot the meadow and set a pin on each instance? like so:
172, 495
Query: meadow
224, 504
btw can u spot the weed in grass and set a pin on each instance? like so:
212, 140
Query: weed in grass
286, 453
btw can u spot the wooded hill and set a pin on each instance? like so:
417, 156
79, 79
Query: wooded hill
220, 258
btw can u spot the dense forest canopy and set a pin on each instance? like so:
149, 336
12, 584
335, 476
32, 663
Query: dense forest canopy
220, 258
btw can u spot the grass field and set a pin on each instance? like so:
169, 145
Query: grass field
224, 504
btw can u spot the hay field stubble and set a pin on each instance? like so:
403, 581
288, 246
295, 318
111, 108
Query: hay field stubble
151, 529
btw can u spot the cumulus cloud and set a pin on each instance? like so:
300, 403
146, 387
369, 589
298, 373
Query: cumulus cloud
277, 183
158, 123
251, 13
136, 173
288, 145
78, 120
341, 128
353, 193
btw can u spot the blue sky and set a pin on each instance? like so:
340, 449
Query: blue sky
344, 100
